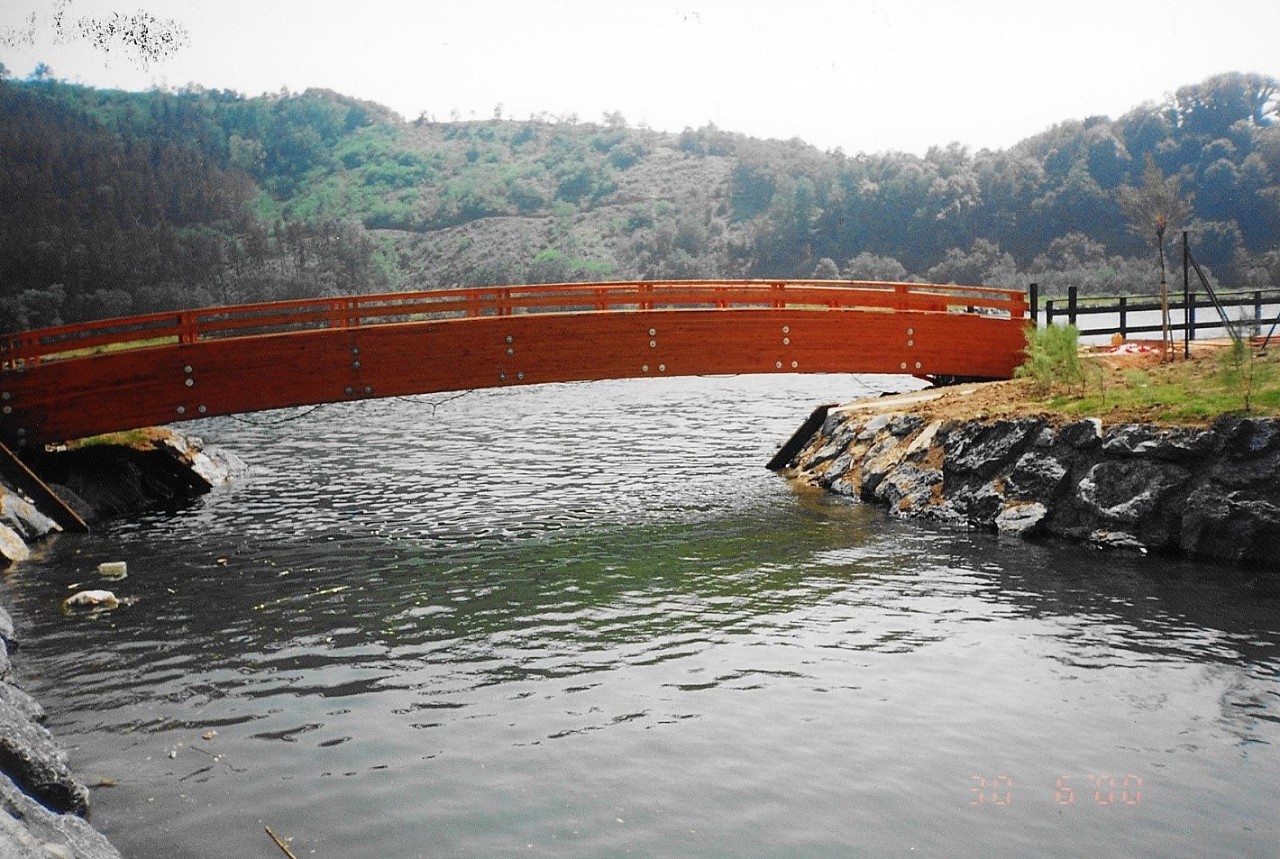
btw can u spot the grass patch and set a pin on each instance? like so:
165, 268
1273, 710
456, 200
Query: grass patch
138, 439
1212, 383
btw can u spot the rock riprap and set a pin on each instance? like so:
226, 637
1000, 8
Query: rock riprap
1209, 492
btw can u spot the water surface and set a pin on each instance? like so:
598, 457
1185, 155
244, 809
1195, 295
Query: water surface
583, 620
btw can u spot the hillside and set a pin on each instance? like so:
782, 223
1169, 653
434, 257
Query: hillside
122, 202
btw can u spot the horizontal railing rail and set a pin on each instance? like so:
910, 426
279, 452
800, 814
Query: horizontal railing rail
69, 342
1132, 314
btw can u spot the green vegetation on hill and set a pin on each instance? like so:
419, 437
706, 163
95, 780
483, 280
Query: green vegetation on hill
122, 202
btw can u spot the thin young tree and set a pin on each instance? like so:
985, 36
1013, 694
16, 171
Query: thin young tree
1158, 207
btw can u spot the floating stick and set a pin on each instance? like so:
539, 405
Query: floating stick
280, 843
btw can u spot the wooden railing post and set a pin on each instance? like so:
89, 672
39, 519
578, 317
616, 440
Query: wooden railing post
186, 327
1191, 316
1072, 300
901, 293
1034, 300
1048, 313
1017, 305
1124, 312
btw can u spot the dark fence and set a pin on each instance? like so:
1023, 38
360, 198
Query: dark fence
1255, 310
1236, 313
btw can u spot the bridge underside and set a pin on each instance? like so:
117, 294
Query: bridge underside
53, 401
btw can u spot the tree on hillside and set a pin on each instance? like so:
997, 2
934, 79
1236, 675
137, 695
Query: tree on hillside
826, 269
984, 264
869, 266
1210, 108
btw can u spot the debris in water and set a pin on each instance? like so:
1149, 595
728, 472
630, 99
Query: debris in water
113, 570
91, 599
281, 844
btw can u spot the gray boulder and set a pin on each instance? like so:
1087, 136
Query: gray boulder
1125, 492
1230, 526
1036, 475
31, 758
28, 830
981, 450
22, 517
1021, 519
1178, 444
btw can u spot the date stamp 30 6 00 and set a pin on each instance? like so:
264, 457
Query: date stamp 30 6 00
1094, 789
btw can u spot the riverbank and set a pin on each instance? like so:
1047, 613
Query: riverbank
44, 805
992, 457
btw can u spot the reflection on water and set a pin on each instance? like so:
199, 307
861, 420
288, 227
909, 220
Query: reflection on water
583, 620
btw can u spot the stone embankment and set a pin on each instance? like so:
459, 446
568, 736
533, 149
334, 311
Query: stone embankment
1205, 492
42, 805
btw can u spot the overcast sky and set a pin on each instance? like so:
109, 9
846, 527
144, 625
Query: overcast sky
862, 75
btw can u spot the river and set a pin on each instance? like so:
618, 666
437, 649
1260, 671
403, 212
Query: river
584, 621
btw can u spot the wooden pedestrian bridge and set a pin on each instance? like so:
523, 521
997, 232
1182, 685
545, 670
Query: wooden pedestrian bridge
80, 380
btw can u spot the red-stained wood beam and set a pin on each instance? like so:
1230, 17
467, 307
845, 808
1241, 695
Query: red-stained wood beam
54, 400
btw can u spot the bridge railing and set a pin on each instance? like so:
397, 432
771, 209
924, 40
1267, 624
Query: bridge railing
81, 340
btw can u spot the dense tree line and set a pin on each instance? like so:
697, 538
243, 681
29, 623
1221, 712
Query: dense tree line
121, 202
117, 203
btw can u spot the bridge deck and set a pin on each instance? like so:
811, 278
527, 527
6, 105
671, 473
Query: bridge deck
79, 380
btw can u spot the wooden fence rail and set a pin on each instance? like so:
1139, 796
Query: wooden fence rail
1186, 317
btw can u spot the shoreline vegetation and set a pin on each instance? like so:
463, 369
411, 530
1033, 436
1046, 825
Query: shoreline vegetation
1126, 382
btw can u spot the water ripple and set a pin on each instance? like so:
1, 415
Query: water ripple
586, 618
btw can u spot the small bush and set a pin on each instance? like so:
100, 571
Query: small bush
1244, 374
1053, 357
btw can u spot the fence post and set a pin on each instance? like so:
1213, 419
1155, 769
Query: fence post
1191, 320
1072, 295
1257, 312
1034, 301
1048, 313
1188, 302
1124, 312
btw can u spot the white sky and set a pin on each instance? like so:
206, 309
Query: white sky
863, 75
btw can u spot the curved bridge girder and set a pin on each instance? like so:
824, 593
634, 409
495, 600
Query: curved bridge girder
77, 381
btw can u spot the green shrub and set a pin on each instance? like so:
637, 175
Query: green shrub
1053, 357
1244, 374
